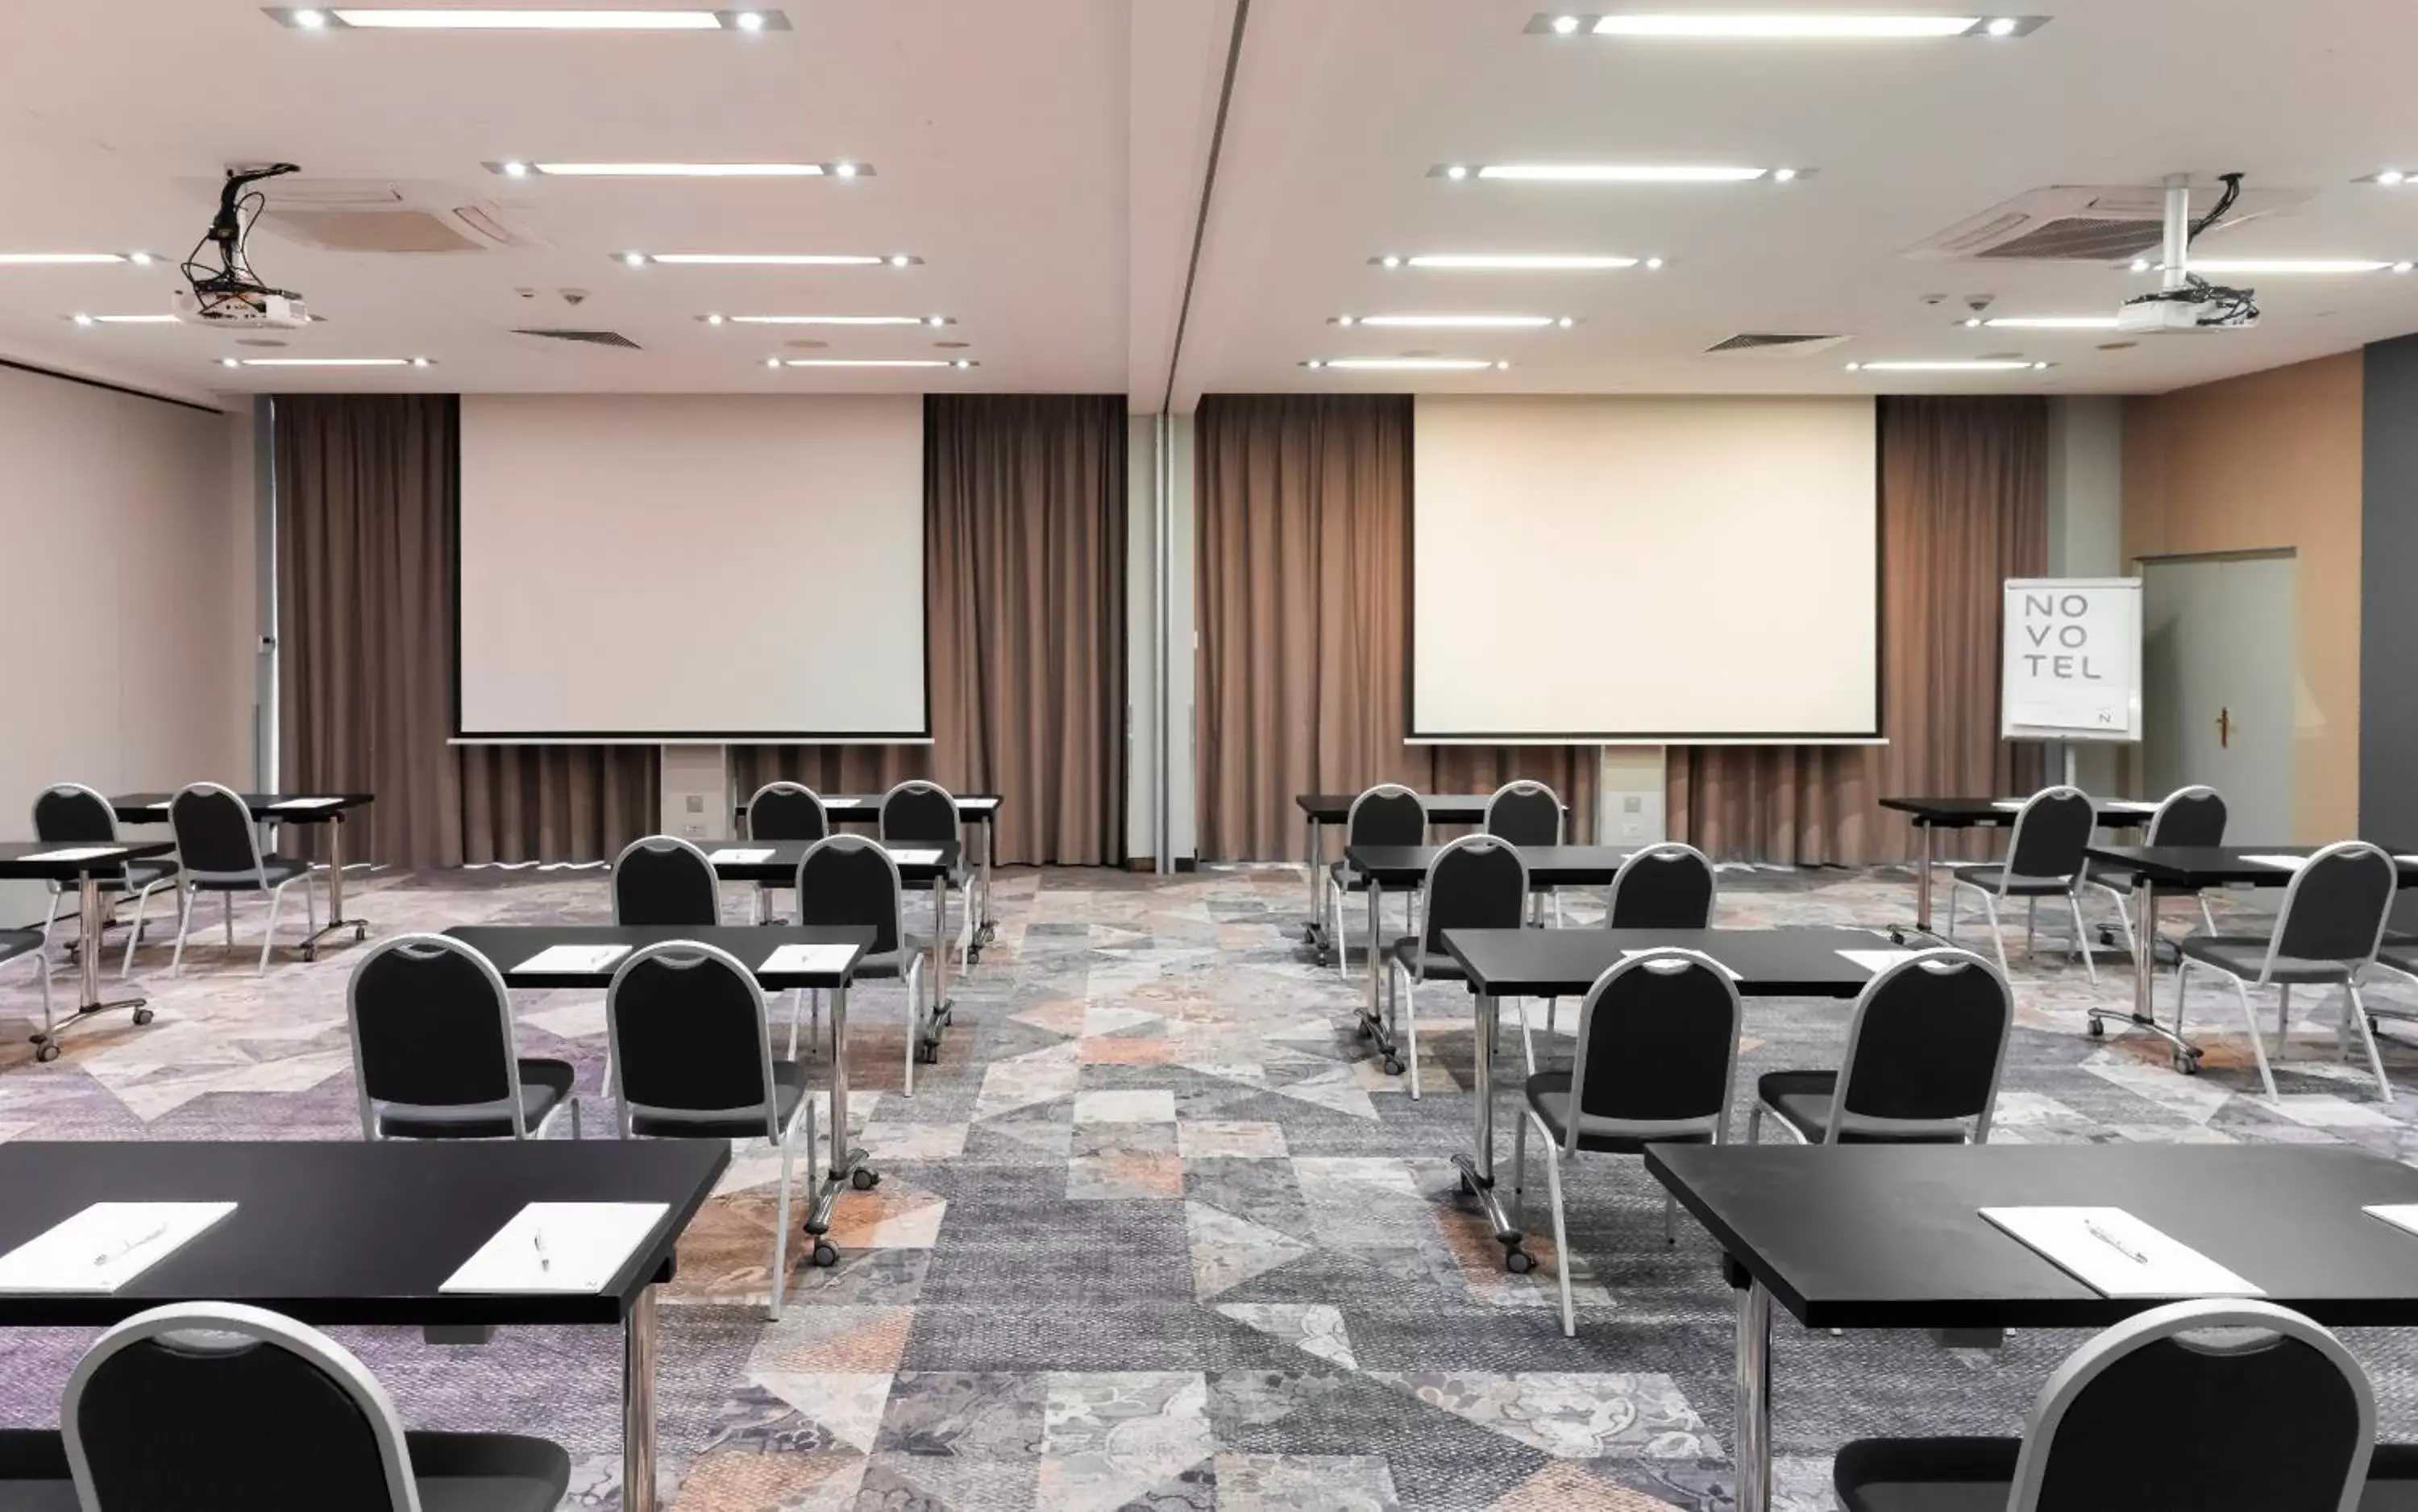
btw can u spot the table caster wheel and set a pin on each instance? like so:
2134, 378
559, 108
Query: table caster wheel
310, 952
1519, 1261
46, 1052
825, 1255
2187, 1065
142, 1016
929, 1054
361, 932
864, 1180
2098, 1029
1393, 1067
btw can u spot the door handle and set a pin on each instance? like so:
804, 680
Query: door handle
2224, 729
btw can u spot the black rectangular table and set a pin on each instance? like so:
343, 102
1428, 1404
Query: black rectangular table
975, 810
284, 808
509, 945
2190, 868
781, 869
1875, 1236
347, 1233
1791, 962
1319, 810
37, 860
1932, 814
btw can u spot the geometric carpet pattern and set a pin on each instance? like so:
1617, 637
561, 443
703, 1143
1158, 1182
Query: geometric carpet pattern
1156, 1233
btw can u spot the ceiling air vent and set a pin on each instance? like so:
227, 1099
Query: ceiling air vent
1774, 343
379, 215
2072, 223
575, 335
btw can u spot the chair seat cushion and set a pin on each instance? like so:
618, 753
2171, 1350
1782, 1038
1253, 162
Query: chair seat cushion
1438, 966
1803, 1100
546, 1085
1925, 1475
16, 942
1988, 878
34, 1475
488, 1471
890, 964
788, 1090
2244, 955
139, 875
274, 871
1549, 1094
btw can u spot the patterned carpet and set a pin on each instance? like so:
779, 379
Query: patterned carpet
1155, 1235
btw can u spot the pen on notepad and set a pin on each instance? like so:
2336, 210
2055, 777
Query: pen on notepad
545, 1261
2115, 1243
129, 1246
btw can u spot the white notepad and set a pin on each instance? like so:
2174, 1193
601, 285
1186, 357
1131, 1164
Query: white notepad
305, 802
72, 853
2131, 806
808, 958
573, 958
1877, 961
2407, 860
2009, 804
2402, 1215
2290, 863
829, 803
2116, 1255
1631, 954
740, 855
914, 857
558, 1246
106, 1245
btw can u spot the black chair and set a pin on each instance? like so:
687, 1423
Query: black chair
1656, 1060
847, 879
1388, 814
2186, 816
71, 813
1528, 813
220, 851
1924, 1051
2045, 860
216, 1407
783, 811
2327, 934
918, 813
1477, 882
663, 880
2209, 1406
691, 1059
433, 1044
1667, 886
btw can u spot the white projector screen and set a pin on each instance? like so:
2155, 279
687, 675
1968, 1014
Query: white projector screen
691, 568
1648, 570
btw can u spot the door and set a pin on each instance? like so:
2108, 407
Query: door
2219, 684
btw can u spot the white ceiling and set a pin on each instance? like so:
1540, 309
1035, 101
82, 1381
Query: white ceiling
1045, 159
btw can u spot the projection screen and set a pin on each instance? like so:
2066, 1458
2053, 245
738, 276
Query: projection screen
1650, 571
639, 567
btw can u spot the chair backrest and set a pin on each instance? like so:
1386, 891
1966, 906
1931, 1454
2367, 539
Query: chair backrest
1388, 814
1669, 885
1477, 882
213, 1404
1657, 1048
2151, 1413
1924, 1049
688, 1033
849, 879
1524, 813
432, 1027
2337, 906
2052, 830
2189, 817
71, 812
923, 812
215, 839
786, 811
663, 880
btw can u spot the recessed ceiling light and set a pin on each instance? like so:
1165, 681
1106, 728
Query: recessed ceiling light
2254, 266
324, 361
2404, 266
140, 259
1783, 176
1989, 364
482, 18
59, 259
831, 320
1406, 364
420, 362
875, 363
1509, 262
1452, 322
670, 170
713, 320
634, 259
2140, 264
229, 362
2390, 178
2047, 322
2000, 26
848, 169
763, 259
1806, 26
899, 259
516, 170
772, 361
163, 319
1564, 25
1654, 265
81, 320
1611, 172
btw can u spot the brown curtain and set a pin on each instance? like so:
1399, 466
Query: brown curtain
1024, 553
1303, 571
1964, 505
368, 506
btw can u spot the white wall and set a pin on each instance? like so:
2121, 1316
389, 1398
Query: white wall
126, 524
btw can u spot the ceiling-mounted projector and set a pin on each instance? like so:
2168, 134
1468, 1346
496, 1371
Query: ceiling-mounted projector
229, 293
2186, 304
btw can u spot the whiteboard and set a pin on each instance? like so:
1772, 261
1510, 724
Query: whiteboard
2072, 667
